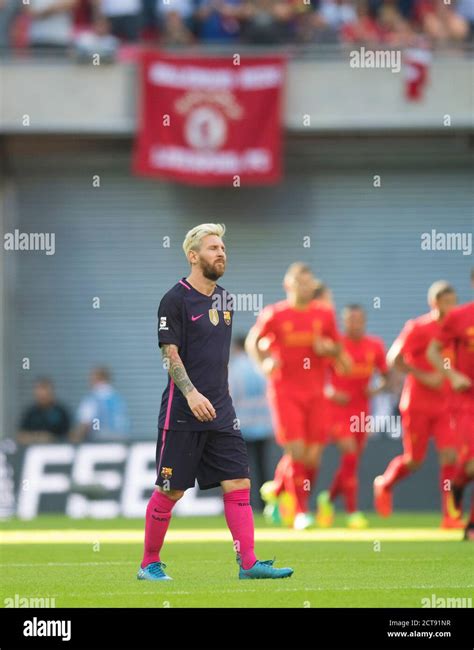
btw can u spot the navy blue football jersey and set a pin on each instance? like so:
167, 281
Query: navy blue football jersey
202, 332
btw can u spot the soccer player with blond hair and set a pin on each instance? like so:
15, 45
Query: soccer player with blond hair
198, 432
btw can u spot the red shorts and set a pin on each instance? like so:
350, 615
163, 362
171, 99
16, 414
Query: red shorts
298, 415
464, 426
419, 427
346, 421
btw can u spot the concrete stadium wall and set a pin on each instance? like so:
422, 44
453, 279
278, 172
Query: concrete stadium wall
63, 97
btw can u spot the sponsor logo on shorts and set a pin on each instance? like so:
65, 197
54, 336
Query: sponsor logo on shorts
166, 472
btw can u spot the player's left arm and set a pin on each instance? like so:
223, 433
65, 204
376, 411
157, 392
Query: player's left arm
382, 370
457, 379
329, 344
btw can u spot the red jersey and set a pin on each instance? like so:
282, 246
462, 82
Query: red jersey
415, 338
292, 333
367, 355
457, 329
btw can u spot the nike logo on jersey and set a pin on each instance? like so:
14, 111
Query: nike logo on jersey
193, 318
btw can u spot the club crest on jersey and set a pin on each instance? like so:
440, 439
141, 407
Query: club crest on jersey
214, 316
166, 472
227, 317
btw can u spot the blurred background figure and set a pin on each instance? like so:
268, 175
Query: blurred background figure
218, 20
46, 420
102, 414
50, 23
121, 18
267, 22
247, 387
175, 21
323, 294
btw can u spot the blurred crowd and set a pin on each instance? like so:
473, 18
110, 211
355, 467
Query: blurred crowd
109, 24
101, 415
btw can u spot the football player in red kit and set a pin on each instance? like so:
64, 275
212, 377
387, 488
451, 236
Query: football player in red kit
458, 329
289, 341
349, 393
426, 404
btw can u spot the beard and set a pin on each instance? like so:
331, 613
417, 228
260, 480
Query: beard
212, 271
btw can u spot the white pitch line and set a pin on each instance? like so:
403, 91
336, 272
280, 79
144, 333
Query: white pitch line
247, 591
221, 535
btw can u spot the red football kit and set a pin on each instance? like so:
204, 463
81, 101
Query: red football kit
425, 411
368, 356
296, 386
458, 330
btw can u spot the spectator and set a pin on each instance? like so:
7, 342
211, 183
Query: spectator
247, 388
175, 21
218, 20
102, 415
465, 9
8, 13
337, 13
440, 22
121, 18
324, 25
46, 420
51, 23
266, 22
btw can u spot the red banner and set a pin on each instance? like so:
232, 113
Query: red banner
210, 122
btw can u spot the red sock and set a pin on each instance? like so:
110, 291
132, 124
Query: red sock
311, 477
396, 470
298, 486
349, 480
280, 471
446, 475
336, 485
471, 515
158, 515
239, 518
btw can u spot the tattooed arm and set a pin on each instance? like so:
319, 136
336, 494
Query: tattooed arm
200, 406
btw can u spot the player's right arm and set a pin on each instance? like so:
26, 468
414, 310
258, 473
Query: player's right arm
200, 406
257, 341
449, 334
406, 341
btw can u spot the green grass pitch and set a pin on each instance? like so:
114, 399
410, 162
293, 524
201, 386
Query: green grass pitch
92, 563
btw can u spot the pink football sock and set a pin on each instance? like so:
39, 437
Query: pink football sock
239, 518
158, 515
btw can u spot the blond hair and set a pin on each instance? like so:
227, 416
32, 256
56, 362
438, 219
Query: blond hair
439, 289
295, 269
194, 237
